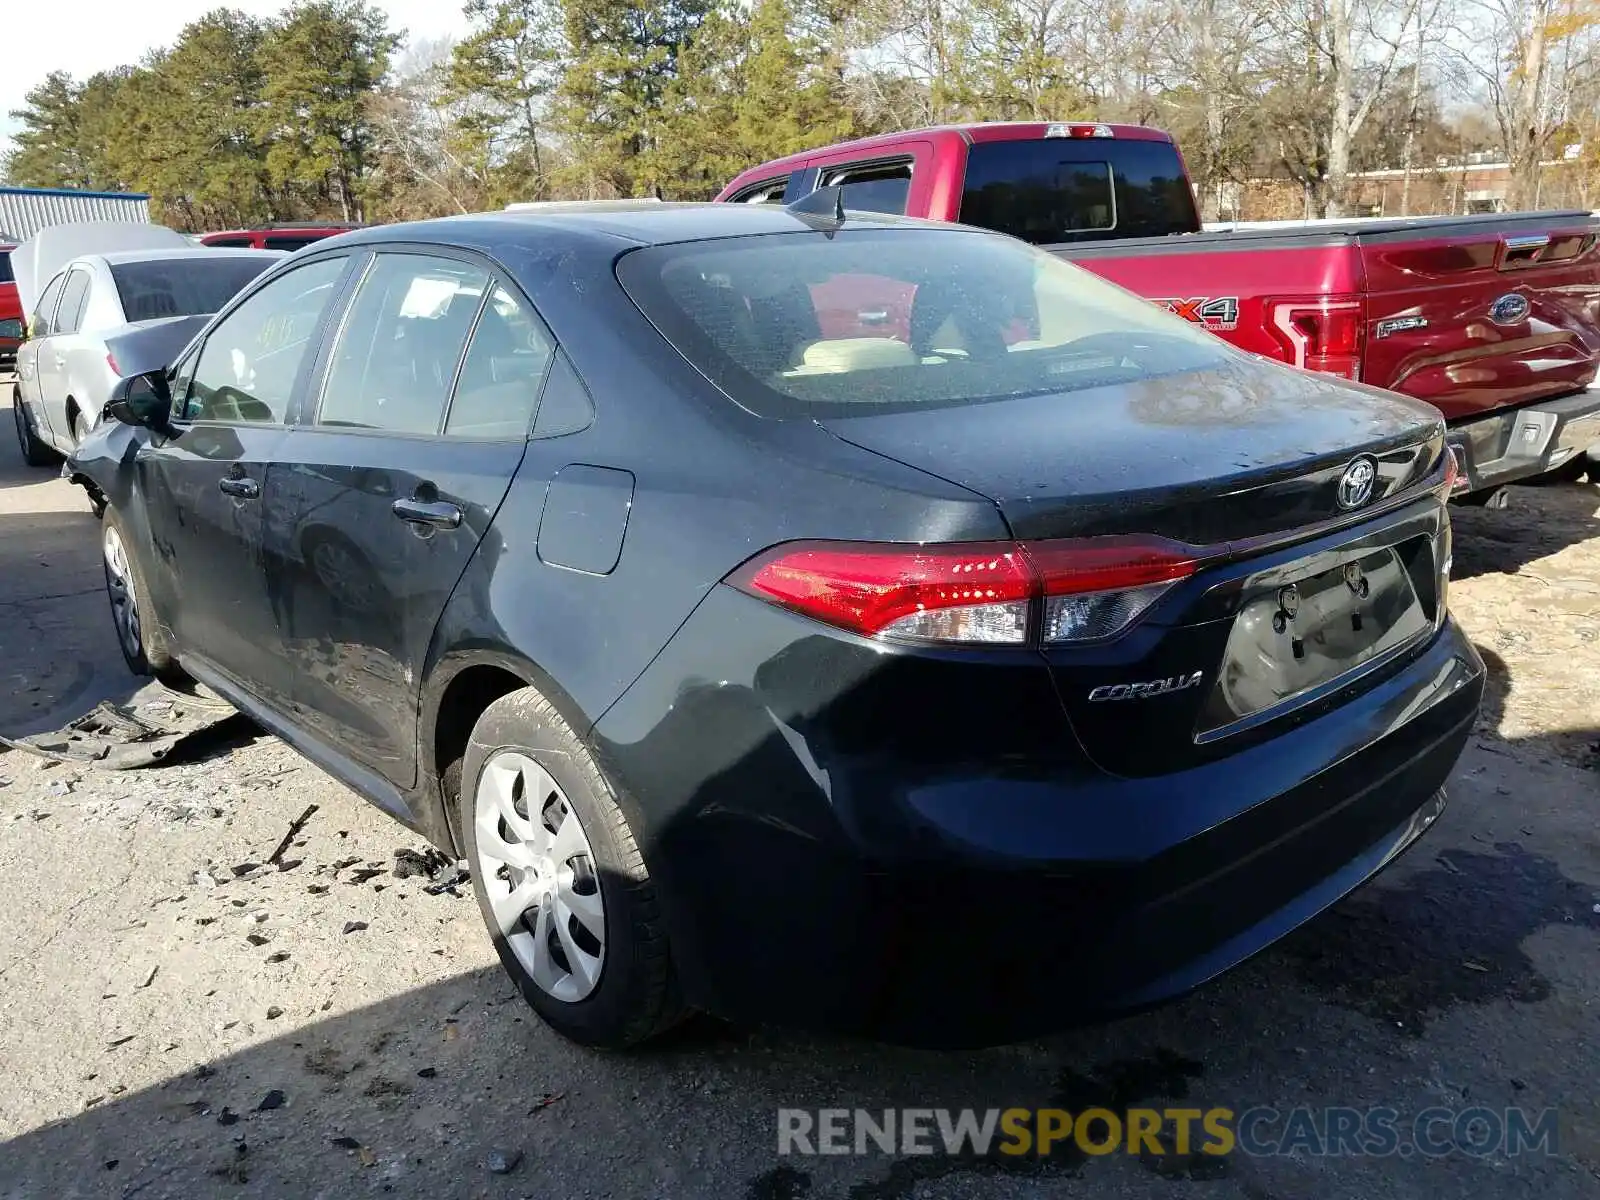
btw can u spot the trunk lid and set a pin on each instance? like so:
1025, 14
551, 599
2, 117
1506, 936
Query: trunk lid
1246, 450
1290, 606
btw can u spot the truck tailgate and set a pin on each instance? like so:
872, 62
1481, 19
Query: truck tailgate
1471, 314
1486, 317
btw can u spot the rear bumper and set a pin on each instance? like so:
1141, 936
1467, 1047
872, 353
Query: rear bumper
978, 895
1518, 443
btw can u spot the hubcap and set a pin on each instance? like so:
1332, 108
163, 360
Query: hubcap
119, 585
538, 872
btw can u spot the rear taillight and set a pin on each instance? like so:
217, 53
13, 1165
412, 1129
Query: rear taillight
971, 593
111, 361
1321, 334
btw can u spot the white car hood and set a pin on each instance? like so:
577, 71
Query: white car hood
36, 261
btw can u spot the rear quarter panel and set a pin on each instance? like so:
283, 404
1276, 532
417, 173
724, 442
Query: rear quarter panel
1462, 359
713, 485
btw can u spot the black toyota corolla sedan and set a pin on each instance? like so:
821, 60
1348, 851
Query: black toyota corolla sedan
836, 620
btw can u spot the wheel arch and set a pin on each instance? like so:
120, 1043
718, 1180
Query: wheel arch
460, 686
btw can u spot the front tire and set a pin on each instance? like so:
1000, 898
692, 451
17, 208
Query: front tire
560, 881
34, 451
139, 635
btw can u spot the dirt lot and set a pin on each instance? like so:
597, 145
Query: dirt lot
179, 1023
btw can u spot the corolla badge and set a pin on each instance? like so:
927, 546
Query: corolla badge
1147, 688
1510, 309
1355, 485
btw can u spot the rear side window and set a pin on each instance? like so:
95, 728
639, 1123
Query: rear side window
5, 267
502, 373
290, 242
877, 187
401, 344
871, 319
45, 311
237, 243
183, 287
74, 297
769, 191
1077, 189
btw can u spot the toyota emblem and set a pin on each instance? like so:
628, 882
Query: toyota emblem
1355, 485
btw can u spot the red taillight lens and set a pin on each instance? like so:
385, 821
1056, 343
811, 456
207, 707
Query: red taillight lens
1321, 335
111, 361
973, 593
1096, 588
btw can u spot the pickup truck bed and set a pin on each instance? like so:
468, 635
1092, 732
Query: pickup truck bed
1493, 319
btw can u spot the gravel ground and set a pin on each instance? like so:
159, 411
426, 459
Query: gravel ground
178, 1022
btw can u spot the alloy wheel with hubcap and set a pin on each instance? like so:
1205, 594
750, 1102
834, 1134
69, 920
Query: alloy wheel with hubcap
559, 877
34, 451
124, 599
538, 871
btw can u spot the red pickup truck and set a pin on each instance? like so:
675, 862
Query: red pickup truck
10, 309
1493, 319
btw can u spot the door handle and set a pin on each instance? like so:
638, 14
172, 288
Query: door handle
439, 513
238, 485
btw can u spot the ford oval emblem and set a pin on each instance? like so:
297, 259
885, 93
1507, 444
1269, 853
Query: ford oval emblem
1355, 485
1510, 309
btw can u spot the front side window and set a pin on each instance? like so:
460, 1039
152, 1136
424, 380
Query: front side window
401, 343
5, 267
44, 312
74, 296
251, 360
874, 318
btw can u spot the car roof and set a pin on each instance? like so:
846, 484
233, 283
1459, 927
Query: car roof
176, 254
647, 223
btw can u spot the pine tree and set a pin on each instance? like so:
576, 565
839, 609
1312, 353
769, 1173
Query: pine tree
623, 60
503, 75
49, 146
321, 65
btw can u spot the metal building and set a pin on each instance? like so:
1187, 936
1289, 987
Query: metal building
25, 211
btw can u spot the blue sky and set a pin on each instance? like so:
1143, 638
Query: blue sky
85, 36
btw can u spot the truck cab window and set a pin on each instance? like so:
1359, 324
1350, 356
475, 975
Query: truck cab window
879, 187
1055, 190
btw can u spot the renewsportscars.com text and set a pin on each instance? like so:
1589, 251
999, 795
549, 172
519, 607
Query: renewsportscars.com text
1258, 1131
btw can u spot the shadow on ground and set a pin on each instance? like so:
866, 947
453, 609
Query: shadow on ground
1539, 520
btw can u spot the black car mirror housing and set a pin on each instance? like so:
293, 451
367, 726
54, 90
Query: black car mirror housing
144, 400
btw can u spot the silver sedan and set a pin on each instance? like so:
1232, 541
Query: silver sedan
68, 365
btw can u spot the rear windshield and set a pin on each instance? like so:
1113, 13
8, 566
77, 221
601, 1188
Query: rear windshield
183, 287
5, 267
1078, 189
806, 324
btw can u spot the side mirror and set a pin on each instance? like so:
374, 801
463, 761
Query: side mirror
144, 400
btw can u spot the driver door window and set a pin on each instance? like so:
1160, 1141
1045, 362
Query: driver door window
250, 363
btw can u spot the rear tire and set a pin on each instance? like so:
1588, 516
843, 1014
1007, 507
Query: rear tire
139, 635
80, 428
34, 451
544, 886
